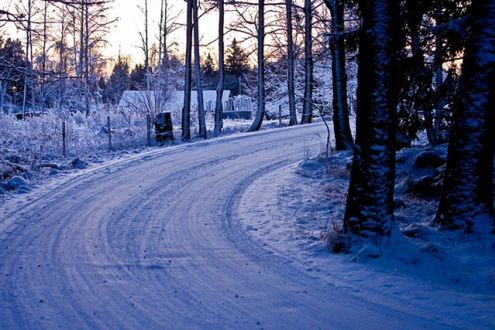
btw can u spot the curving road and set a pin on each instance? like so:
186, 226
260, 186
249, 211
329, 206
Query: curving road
153, 242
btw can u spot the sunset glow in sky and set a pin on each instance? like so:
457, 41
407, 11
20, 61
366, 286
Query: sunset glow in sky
125, 34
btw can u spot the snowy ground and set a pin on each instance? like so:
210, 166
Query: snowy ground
223, 233
443, 276
31, 151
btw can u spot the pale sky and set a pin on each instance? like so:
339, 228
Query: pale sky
125, 34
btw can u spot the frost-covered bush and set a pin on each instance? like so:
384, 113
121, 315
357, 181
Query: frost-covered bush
39, 138
31, 139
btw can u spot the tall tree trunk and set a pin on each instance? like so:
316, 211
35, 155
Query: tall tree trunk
165, 36
29, 63
86, 58
260, 111
342, 129
220, 86
467, 194
43, 58
160, 34
165, 28
2, 95
80, 67
307, 115
146, 48
186, 110
369, 210
290, 65
146, 41
421, 76
197, 69
61, 66
433, 123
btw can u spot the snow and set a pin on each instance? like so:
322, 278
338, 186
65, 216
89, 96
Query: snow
32, 148
442, 276
228, 233
147, 99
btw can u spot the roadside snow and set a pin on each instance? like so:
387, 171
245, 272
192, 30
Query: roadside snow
32, 149
444, 275
152, 238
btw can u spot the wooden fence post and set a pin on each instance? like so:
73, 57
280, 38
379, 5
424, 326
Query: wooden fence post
64, 147
109, 127
148, 130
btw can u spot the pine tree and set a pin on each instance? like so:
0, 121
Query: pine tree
119, 80
138, 80
237, 60
208, 72
369, 209
467, 193
12, 66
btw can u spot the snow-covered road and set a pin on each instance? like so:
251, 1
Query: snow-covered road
153, 242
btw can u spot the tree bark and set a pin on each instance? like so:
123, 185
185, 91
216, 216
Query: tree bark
433, 123
186, 110
166, 26
307, 115
219, 104
43, 58
369, 209
260, 112
342, 129
467, 194
29, 72
86, 59
290, 65
197, 69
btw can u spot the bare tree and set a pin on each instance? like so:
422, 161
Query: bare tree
186, 110
307, 114
197, 69
260, 111
166, 26
88, 25
221, 49
145, 46
27, 11
290, 64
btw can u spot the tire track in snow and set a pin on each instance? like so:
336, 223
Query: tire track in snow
154, 243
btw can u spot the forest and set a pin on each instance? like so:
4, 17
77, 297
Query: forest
428, 69
400, 94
